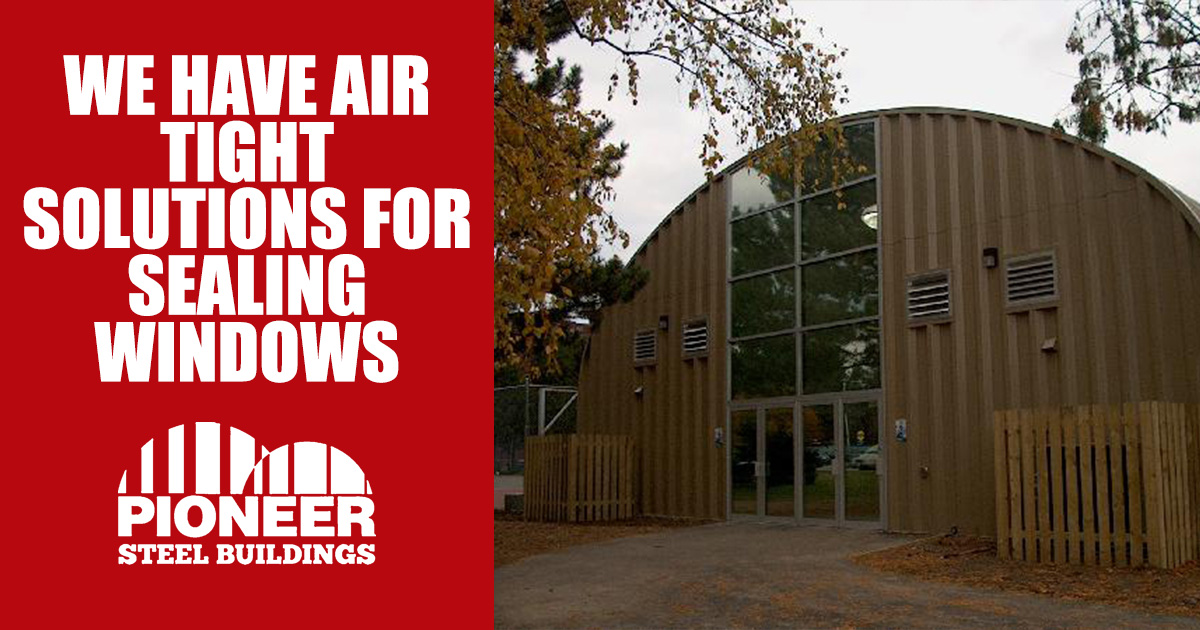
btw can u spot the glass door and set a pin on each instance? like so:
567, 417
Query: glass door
762, 461
780, 451
841, 461
860, 440
820, 462
743, 461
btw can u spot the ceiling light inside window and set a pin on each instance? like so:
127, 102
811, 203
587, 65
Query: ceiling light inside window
870, 216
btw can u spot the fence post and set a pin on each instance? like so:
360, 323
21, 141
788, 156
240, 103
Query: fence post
1013, 428
1152, 467
1000, 461
1116, 459
572, 464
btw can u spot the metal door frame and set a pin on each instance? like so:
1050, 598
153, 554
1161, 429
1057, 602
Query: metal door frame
838, 400
760, 408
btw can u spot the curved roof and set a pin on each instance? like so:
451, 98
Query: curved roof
1188, 206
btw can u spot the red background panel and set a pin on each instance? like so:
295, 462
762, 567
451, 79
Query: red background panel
423, 439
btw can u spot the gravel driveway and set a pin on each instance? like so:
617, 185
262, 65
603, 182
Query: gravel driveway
765, 575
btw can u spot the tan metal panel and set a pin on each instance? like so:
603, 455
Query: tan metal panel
950, 184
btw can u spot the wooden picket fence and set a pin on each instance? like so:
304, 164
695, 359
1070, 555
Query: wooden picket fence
1101, 485
579, 478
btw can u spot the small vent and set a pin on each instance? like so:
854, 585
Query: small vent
929, 296
645, 344
1031, 278
695, 338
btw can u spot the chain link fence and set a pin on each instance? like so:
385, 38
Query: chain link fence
524, 410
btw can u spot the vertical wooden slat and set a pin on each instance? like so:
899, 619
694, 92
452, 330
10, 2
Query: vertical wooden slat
1028, 480
562, 483
598, 463
1099, 419
618, 449
1132, 420
1044, 485
1058, 497
610, 498
536, 476
1182, 535
531, 480
1087, 486
1194, 442
1153, 484
549, 446
1187, 508
1173, 499
1000, 461
1165, 478
1073, 523
545, 451
585, 473
547, 479
1116, 463
1191, 457
1194, 451
622, 458
631, 486
593, 478
552, 482
623, 468
572, 481
1012, 428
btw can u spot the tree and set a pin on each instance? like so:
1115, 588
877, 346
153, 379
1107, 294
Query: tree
581, 294
743, 62
1139, 66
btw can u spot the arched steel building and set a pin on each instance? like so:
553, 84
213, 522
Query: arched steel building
790, 358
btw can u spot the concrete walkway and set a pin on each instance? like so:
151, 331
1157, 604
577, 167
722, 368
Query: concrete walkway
765, 575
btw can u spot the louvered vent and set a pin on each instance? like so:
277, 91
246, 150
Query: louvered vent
695, 338
929, 295
645, 344
1031, 278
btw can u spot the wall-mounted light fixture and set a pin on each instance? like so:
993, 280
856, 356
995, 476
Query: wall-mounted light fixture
638, 391
991, 257
663, 323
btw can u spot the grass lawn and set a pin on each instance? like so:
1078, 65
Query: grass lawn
862, 497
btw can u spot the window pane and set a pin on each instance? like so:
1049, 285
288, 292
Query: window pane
844, 358
764, 367
743, 446
751, 190
824, 229
861, 422
859, 148
820, 457
764, 303
860, 141
763, 241
842, 288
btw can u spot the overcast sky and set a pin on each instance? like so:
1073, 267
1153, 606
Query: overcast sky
1000, 57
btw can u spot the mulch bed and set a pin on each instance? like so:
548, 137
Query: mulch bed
514, 538
972, 561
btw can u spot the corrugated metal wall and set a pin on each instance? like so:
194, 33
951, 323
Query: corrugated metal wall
1127, 322
682, 471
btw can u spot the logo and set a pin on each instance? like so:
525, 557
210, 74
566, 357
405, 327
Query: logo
237, 501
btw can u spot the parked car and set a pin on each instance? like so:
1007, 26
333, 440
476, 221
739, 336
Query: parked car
866, 460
